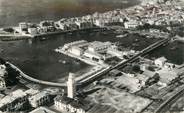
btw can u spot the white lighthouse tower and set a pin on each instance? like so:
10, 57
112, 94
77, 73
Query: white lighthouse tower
71, 86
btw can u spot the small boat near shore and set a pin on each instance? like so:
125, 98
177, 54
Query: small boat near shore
121, 36
63, 61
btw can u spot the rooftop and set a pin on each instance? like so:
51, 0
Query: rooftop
42, 110
162, 59
97, 44
39, 95
31, 92
12, 97
2, 70
78, 103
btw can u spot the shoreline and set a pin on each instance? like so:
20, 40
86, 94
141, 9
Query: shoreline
9, 36
13, 37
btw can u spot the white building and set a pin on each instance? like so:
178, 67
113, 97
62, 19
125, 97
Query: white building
65, 104
39, 99
71, 86
75, 43
97, 46
76, 51
160, 62
23, 26
14, 101
32, 31
131, 24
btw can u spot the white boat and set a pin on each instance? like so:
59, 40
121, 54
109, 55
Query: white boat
121, 36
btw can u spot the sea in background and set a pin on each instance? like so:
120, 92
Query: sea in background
14, 11
37, 57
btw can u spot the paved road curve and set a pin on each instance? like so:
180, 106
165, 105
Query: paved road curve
22, 74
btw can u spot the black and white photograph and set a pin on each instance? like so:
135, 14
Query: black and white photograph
91, 56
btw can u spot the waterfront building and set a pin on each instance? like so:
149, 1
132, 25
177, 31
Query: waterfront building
14, 101
71, 86
75, 50
97, 46
39, 99
84, 24
132, 24
32, 31
61, 25
46, 23
160, 62
46, 26
72, 26
97, 57
42, 30
42, 110
95, 51
99, 22
23, 26
94, 56
76, 43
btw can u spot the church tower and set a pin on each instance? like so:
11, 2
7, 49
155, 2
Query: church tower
71, 86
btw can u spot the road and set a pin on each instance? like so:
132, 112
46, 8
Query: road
26, 77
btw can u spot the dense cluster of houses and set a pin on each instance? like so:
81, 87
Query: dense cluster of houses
131, 18
3, 75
